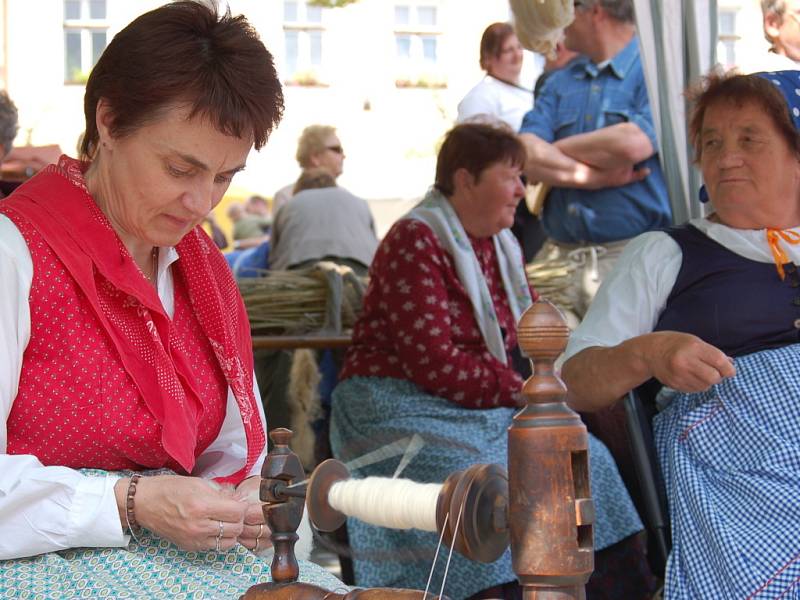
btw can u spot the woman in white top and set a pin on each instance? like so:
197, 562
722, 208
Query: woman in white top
498, 95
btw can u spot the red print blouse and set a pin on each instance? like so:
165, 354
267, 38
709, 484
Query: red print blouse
418, 323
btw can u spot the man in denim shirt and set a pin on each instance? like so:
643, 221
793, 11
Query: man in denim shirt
590, 137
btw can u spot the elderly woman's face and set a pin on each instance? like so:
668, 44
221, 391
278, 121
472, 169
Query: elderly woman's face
160, 181
494, 197
751, 174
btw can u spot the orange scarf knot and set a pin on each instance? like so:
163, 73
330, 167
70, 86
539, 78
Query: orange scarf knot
774, 236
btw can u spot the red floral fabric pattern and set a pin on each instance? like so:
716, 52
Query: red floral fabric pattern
419, 324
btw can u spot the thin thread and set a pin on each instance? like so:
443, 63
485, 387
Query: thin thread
415, 444
388, 451
436, 555
393, 503
452, 545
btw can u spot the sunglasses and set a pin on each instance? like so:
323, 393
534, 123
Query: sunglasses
337, 149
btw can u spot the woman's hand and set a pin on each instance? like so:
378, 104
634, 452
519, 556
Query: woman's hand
686, 363
187, 511
255, 533
596, 377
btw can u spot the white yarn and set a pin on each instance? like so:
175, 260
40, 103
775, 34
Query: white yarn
393, 503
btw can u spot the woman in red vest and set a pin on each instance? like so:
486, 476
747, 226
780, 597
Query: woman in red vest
127, 399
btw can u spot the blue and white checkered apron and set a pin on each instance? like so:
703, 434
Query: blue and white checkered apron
731, 463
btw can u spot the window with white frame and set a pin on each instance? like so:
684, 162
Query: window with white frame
85, 37
303, 38
417, 36
727, 37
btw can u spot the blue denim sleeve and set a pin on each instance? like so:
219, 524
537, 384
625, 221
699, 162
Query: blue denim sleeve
641, 114
539, 120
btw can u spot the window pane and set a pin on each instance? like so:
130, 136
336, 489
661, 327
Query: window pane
313, 14
98, 45
727, 23
315, 47
290, 11
426, 15
403, 43
72, 9
429, 48
72, 53
290, 42
97, 9
401, 15
730, 52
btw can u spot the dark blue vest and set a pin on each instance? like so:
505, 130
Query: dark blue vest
734, 303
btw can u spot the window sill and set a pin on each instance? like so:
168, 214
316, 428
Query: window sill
404, 84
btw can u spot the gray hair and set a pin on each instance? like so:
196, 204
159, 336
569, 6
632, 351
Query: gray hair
773, 6
619, 10
8, 122
776, 7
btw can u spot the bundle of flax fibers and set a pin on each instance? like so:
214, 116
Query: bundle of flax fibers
301, 301
551, 279
326, 299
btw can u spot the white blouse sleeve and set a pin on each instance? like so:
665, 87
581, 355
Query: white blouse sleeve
43, 509
633, 296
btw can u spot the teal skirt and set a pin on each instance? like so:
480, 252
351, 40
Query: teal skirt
151, 569
148, 569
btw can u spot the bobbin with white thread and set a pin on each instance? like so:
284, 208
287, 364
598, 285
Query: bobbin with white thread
482, 489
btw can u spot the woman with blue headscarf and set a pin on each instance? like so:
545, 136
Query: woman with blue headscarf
711, 310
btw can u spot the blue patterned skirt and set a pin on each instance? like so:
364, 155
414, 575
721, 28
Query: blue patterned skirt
150, 569
369, 412
731, 463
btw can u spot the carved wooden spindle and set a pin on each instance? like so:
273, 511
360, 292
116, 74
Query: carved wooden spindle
284, 507
551, 513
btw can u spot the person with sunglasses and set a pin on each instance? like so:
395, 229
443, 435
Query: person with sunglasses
317, 147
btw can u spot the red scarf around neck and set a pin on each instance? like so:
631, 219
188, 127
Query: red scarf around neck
57, 203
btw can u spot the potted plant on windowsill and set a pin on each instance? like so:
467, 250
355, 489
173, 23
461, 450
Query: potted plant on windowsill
432, 82
308, 78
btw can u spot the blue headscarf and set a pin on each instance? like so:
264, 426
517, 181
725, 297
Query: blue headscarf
788, 84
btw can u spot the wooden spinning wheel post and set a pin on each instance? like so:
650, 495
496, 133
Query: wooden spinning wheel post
551, 513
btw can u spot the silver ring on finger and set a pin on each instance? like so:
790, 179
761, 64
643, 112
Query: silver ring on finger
218, 539
255, 549
260, 531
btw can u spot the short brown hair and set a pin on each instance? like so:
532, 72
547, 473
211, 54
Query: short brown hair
475, 147
314, 178
492, 40
184, 53
720, 87
312, 141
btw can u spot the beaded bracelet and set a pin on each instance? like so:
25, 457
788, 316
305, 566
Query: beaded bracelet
130, 517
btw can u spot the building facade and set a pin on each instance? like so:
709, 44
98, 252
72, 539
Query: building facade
387, 73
